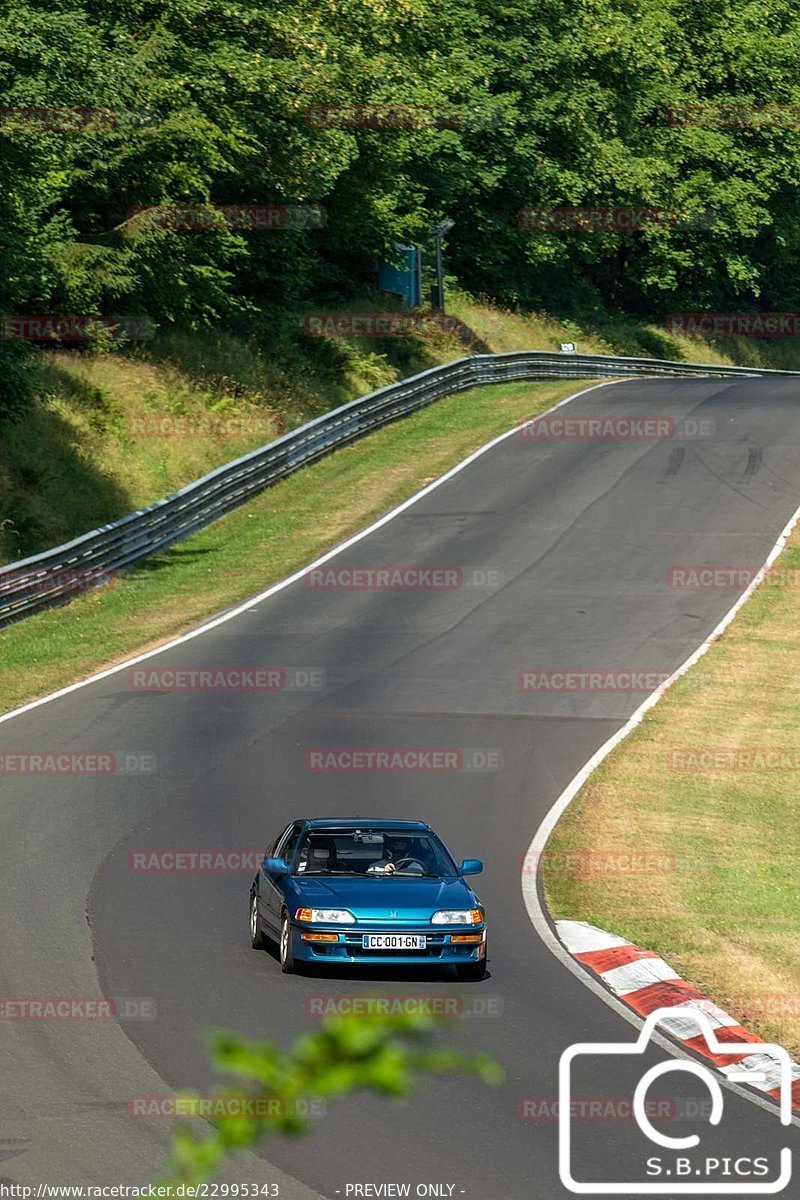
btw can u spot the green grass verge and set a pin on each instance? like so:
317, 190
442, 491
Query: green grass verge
722, 905
76, 457
260, 543
109, 432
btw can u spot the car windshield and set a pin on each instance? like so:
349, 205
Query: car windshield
374, 852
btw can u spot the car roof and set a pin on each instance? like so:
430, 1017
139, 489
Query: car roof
361, 822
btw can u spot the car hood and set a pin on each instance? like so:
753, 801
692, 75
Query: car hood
382, 896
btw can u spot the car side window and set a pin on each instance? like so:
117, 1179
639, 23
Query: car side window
272, 850
288, 843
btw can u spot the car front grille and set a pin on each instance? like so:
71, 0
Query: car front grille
434, 942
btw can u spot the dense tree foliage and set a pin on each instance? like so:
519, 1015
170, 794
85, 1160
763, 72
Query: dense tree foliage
213, 102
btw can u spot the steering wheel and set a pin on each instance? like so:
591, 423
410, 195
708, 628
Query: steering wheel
408, 862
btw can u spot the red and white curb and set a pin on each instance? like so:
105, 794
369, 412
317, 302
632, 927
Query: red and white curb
646, 982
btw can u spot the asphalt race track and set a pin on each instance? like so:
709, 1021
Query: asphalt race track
565, 548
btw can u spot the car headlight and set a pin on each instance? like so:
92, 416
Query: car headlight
458, 916
325, 916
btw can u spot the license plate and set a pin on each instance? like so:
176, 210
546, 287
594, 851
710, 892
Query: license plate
393, 941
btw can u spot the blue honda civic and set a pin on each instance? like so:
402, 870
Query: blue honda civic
359, 891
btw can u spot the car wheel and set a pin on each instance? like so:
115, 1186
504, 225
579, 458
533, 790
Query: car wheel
285, 946
256, 933
471, 970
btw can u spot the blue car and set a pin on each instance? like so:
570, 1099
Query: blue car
357, 892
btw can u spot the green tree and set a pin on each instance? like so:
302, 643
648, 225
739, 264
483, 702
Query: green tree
379, 1054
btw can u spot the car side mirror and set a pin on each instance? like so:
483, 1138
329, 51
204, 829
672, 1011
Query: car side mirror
275, 866
470, 866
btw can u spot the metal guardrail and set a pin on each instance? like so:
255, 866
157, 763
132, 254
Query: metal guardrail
36, 583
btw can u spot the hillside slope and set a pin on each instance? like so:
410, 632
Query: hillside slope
110, 432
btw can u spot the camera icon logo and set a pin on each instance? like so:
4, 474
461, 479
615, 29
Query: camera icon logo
774, 1071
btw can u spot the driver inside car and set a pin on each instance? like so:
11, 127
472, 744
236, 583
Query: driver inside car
401, 853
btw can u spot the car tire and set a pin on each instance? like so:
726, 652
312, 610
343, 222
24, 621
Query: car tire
285, 945
472, 970
257, 939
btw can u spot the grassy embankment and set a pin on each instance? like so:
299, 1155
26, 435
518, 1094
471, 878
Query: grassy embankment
79, 457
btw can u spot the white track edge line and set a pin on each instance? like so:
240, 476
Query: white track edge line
529, 883
284, 583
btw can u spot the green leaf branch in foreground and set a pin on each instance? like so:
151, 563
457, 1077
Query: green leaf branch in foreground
380, 1054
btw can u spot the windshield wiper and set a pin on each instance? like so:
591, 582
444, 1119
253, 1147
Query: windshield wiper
411, 874
325, 871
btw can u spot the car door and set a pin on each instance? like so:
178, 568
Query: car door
263, 883
271, 889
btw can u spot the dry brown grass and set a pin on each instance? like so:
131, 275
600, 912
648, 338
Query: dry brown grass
728, 915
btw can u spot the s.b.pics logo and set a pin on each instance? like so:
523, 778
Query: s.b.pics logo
668, 1163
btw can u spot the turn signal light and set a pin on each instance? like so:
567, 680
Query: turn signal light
470, 938
318, 937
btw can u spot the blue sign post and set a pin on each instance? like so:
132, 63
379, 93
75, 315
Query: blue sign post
405, 279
